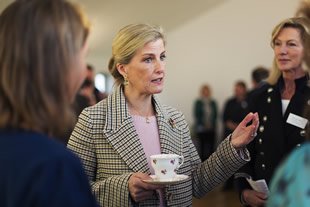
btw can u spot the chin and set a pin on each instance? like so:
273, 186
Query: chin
157, 90
284, 68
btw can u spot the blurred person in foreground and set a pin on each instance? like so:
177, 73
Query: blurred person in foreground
205, 114
42, 65
116, 137
279, 105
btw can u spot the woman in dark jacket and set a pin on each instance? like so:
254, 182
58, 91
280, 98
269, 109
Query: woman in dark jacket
279, 105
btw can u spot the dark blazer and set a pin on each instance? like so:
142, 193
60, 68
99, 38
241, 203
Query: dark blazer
38, 171
107, 142
275, 137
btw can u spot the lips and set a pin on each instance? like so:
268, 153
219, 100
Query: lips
283, 60
158, 80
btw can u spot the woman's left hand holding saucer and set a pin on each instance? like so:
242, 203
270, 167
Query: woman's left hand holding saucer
139, 190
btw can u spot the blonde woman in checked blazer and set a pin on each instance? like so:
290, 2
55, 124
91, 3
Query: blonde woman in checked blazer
115, 138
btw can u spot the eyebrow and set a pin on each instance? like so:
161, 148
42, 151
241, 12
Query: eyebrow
287, 40
145, 54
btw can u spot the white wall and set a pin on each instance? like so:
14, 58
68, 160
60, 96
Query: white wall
220, 47
217, 47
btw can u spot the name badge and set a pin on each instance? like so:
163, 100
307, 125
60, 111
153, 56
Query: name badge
297, 121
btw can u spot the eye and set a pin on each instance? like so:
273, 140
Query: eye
277, 43
148, 59
292, 44
162, 57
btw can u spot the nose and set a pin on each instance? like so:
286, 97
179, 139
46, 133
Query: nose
160, 66
283, 50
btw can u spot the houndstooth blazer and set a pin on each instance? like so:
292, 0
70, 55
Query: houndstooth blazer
107, 142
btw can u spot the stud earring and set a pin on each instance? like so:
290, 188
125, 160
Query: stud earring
126, 80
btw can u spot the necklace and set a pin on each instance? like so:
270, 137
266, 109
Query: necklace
147, 119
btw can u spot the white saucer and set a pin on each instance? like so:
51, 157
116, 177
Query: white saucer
176, 179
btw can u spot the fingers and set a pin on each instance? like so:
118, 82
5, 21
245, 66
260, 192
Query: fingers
246, 120
255, 124
254, 198
140, 190
262, 195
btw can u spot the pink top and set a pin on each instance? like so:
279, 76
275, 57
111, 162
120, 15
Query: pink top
149, 136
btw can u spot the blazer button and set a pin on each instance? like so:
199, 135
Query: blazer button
262, 153
263, 166
260, 140
261, 128
170, 196
265, 118
270, 90
298, 145
268, 100
303, 133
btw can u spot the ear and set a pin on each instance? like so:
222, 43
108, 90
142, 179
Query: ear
121, 69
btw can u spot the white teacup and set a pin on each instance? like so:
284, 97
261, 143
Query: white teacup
166, 165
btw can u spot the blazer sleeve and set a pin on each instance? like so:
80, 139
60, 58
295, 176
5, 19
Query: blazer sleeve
216, 169
111, 191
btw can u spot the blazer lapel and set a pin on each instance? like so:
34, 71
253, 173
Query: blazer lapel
169, 132
121, 133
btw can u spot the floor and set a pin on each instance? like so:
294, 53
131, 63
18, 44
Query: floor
218, 198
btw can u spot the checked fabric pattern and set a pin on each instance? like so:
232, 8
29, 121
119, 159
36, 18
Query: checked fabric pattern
106, 141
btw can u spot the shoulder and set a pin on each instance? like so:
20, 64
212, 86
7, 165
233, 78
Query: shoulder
176, 116
96, 112
260, 94
172, 112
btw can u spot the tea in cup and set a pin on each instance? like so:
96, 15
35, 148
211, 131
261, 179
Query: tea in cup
166, 165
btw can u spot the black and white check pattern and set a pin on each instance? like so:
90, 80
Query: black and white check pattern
106, 141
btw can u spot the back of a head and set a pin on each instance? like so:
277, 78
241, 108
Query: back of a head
126, 43
304, 9
40, 42
259, 74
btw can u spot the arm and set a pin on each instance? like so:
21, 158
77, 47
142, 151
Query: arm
226, 160
109, 191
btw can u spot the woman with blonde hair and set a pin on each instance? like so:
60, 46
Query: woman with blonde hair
279, 105
42, 64
116, 137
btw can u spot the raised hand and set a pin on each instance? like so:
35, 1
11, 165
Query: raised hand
244, 134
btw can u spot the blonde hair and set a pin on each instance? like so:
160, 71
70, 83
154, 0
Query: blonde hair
128, 41
40, 43
304, 9
303, 25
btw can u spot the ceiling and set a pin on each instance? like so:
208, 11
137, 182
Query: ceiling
109, 16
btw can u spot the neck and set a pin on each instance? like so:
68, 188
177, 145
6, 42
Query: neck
291, 75
140, 105
289, 78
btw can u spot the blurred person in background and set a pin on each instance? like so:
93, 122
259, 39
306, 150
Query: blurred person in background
235, 109
258, 77
205, 116
42, 65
